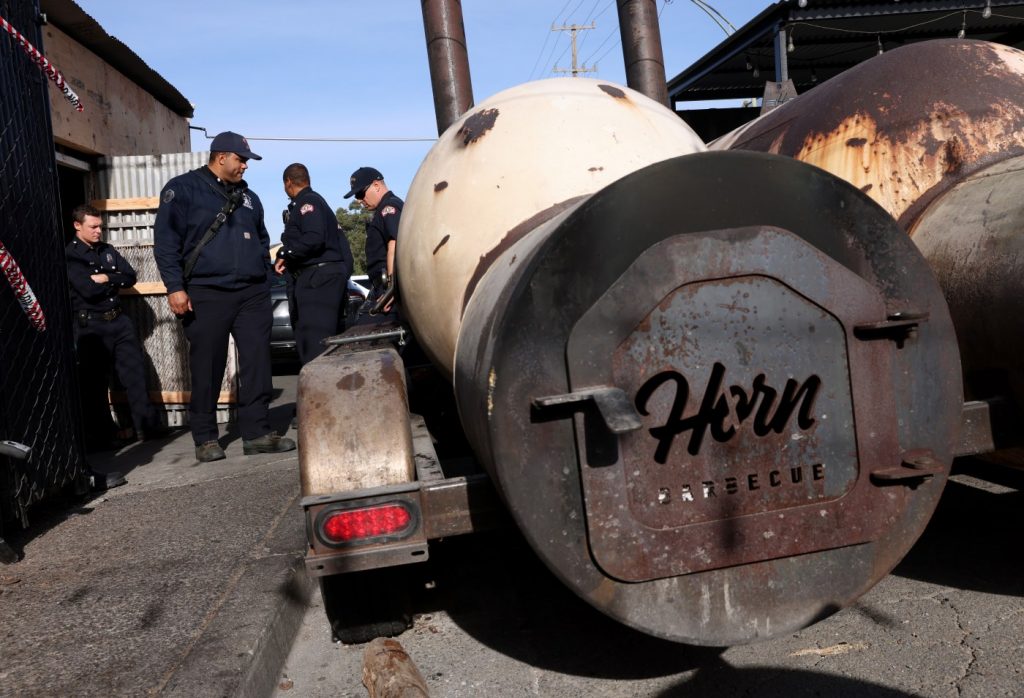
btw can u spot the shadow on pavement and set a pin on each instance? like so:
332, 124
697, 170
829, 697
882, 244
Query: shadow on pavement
968, 541
720, 680
494, 588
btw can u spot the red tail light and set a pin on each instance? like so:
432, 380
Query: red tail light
353, 525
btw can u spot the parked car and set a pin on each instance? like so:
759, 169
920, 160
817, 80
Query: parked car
282, 336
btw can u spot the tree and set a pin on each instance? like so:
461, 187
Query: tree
353, 222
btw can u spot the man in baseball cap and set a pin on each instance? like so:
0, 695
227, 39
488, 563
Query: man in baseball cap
231, 142
368, 186
361, 179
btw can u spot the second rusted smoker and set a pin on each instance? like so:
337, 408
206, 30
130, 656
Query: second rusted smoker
934, 132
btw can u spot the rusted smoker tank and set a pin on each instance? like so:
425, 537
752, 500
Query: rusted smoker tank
934, 132
718, 392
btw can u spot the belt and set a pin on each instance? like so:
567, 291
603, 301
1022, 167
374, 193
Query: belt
299, 271
109, 315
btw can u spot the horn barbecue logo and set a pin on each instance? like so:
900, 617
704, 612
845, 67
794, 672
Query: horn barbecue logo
715, 410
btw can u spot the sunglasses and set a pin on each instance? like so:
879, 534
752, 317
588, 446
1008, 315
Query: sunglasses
361, 194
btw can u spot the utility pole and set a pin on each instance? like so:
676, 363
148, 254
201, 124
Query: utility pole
573, 28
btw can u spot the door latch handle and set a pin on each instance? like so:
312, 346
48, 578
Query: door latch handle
917, 466
897, 327
613, 404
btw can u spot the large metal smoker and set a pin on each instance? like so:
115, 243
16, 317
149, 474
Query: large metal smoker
718, 392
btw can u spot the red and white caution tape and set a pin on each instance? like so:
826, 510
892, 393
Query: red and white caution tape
46, 66
27, 299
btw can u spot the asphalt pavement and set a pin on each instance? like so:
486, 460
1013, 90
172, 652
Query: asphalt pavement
491, 620
185, 581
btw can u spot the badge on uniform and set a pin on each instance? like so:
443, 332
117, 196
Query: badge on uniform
246, 201
110, 258
306, 208
388, 210
247, 236
168, 195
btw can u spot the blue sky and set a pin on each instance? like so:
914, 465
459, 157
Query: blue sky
348, 69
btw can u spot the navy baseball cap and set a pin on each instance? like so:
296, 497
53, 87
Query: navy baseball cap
231, 142
361, 179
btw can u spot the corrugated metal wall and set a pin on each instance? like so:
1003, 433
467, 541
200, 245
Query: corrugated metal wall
138, 176
163, 341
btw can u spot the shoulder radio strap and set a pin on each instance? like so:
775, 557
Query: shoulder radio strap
229, 206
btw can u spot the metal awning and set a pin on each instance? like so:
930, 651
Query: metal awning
829, 36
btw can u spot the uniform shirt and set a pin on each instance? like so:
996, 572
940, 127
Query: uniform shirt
382, 228
83, 262
312, 235
236, 257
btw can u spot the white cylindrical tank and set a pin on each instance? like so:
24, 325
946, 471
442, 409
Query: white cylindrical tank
505, 167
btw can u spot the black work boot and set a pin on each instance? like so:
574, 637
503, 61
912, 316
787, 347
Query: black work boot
268, 443
209, 451
100, 482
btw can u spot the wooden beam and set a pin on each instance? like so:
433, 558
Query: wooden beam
389, 672
141, 203
145, 288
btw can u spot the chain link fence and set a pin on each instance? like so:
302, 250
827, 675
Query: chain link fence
38, 398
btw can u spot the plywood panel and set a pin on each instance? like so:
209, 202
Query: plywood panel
145, 202
120, 118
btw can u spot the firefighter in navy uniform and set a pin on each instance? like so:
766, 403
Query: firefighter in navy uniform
316, 254
96, 272
213, 252
367, 185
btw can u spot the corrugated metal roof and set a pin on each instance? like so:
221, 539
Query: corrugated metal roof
830, 36
73, 21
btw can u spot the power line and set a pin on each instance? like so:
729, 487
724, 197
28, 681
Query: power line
610, 34
331, 139
601, 57
711, 12
588, 20
713, 17
573, 11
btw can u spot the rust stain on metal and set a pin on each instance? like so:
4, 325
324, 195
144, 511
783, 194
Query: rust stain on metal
351, 381
893, 135
613, 91
440, 186
444, 241
390, 374
954, 155
477, 125
511, 237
